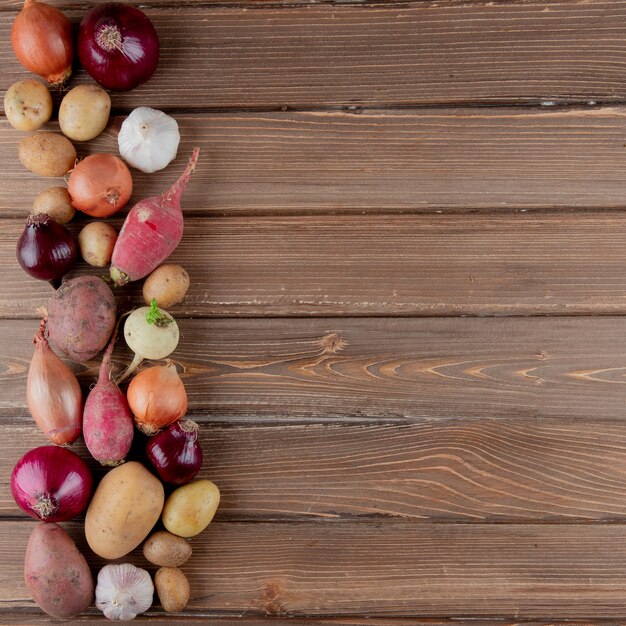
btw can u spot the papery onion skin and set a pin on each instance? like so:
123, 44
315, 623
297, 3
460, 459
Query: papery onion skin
100, 185
46, 250
157, 398
53, 394
42, 40
51, 484
176, 453
118, 46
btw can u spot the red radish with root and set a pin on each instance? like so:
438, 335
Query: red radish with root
107, 421
152, 230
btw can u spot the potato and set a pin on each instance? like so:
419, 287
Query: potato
96, 242
173, 589
123, 510
27, 104
164, 549
56, 573
168, 284
81, 317
56, 203
84, 112
190, 508
47, 154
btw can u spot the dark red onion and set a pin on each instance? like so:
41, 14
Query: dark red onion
51, 484
176, 453
46, 250
118, 46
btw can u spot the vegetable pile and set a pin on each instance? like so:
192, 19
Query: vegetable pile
150, 493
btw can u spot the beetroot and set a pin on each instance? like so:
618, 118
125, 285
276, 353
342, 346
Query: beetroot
107, 420
152, 230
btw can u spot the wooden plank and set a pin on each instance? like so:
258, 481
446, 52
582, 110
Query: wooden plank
437, 265
483, 471
391, 370
378, 161
402, 54
504, 570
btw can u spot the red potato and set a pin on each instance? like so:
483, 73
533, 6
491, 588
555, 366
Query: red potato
56, 573
152, 230
81, 317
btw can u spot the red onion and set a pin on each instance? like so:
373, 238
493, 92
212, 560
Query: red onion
118, 46
46, 250
51, 484
176, 453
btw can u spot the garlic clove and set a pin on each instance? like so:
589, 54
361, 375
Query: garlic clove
148, 139
123, 591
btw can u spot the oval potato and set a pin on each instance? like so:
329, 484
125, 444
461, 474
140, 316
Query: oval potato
47, 154
166, 550
168, 284
173, 589
84, 112
96, 242
123, 510
56, 203
190, 508
27, 104
56, 573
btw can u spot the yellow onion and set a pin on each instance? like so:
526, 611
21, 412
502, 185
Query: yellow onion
157, 398
53, 394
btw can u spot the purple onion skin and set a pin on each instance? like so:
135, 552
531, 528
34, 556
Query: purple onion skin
51, 484
176, 453
118, 46
46, 250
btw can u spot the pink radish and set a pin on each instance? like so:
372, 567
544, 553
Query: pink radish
152, 230
107, 420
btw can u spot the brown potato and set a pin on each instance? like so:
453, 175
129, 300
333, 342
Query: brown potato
56, 203
168, 284
56, 573
166, 550
84, 112
47, 154
173, 589
123, 510
27, 104
96, 242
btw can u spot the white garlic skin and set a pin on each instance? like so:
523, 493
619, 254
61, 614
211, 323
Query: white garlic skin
148, 139
123, 591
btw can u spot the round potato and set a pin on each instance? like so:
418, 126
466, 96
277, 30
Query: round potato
123, 510
173, 589
27, 104
56, 203
84, 112
96, 242
167, 550
190, 508
168, 284
47, 154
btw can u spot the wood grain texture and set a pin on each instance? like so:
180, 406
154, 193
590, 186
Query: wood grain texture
509, 570
391, 370
495, 159
417, 53
485, 471
437, 265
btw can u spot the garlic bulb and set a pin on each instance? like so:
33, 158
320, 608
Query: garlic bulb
148, 139
123, 591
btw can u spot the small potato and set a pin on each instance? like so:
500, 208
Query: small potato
47, 154
173, 589
190, 508
56, 203
27, 104
166, 550
96, 242
168, 284
84, 112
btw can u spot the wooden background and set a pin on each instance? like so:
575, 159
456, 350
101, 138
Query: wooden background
404, 338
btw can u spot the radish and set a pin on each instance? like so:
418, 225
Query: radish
152, 230
107, 421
